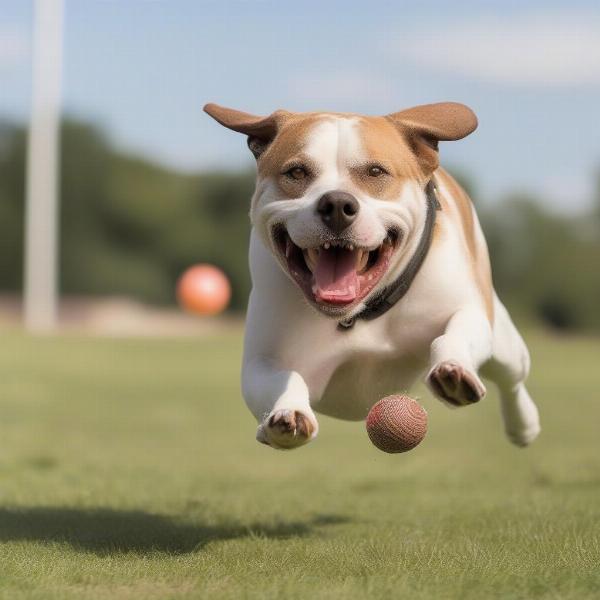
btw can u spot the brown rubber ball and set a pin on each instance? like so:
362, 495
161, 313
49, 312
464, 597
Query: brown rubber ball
397, 424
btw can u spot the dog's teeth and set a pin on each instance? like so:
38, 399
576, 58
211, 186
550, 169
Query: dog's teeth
363, 258
314, 255
326, 245
288, 247
311, 257
350, 247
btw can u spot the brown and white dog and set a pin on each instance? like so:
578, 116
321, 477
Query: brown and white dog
369, 269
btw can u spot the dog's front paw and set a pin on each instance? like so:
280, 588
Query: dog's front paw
285, 429
455, 384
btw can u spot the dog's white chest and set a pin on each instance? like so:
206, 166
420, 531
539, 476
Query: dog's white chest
358, 383
346, 372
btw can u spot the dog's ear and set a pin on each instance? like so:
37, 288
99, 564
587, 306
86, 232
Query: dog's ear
424, 126
260, 130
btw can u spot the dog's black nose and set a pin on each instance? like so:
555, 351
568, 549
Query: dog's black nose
338, 210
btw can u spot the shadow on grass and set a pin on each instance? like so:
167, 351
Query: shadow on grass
107, 531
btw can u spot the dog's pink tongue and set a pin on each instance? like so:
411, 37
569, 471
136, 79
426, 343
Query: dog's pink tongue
336, 280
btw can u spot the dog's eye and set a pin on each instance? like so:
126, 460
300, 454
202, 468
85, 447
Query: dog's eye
297, 173
376, 171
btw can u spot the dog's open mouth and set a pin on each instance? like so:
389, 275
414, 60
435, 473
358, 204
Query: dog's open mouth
337, 273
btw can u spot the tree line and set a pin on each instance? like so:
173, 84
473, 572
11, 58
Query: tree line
130, 227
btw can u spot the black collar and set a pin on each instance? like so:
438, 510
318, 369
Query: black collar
381, 303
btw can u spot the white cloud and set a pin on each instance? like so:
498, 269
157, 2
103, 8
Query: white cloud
14, 47
556, 49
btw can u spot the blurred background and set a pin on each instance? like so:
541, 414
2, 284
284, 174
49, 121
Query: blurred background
149, 184
128, 465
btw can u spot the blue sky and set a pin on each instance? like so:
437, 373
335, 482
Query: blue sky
144, 68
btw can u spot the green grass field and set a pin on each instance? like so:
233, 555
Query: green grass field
128, 469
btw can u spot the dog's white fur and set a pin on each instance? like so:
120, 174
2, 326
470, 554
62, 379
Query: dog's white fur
295, 361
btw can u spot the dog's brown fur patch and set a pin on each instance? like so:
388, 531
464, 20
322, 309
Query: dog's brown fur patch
458, 205
288, 146
385, 145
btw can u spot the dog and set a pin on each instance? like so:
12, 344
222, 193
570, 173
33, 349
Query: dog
369, 270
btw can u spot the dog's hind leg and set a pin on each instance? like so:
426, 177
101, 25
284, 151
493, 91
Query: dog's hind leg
508, 368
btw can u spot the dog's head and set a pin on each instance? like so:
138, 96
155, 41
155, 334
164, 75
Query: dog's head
339, 197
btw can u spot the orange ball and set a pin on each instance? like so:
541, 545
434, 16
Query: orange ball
204, 290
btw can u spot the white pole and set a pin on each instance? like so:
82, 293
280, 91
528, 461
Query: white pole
41, 215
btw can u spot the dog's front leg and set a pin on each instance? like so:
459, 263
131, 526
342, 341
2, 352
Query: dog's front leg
279, 400
457, 355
